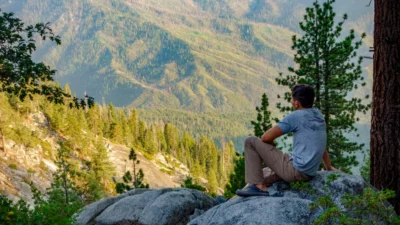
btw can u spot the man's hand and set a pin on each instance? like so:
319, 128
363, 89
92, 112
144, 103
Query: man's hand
331, 168
327, 162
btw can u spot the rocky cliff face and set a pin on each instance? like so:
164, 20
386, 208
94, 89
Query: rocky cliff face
181, 206
24, 166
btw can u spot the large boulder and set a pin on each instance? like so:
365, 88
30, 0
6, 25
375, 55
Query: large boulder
148, 207
289, 206
182, 206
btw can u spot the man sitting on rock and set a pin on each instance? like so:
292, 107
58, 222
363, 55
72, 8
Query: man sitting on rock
309, 147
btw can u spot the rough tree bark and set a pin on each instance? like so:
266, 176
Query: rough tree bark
385, 124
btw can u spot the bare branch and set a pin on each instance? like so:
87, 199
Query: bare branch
369, 3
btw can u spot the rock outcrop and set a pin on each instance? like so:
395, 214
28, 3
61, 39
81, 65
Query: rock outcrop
182, 206
291, 207
148, 207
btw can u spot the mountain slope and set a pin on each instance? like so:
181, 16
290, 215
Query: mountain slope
198, 55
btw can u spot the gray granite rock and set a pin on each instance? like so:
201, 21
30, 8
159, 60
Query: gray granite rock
93, 210
165, 206
259, 210
185, 206
292, 207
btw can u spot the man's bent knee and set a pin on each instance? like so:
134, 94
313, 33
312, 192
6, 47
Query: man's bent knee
250, 140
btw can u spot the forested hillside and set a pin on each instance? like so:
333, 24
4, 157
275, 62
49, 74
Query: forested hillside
213, 57
36, 131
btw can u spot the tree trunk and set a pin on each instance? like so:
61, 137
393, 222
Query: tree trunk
134, 175
65, 183
385, 124
3, 140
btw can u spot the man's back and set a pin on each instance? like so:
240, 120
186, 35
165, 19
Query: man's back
309, 140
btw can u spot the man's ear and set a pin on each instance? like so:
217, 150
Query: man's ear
298, 104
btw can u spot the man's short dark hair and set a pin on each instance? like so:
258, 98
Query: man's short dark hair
304, 94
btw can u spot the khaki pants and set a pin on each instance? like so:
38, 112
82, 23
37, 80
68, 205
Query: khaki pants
280, 166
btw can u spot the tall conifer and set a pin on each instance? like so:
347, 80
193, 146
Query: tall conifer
262, 124
329, 63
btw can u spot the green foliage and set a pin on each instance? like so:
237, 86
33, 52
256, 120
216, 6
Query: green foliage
215, 125
328, 62
47, 211
13, 166
263, 122
95, 188
55, 210
20, 76
212, 184
137, 178
101, 165
188, 183
332, 177
24, 135
11, 214
63, 186
236, 179
167, 171
370, 207
302, 186
365, 170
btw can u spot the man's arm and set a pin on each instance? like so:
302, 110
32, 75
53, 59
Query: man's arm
271, 134
327, 162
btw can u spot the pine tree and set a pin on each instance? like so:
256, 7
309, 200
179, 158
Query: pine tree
95, 123
62, 177
160, 137
63, 198
171, 137
137, 178
67, 89
101, 165
134, 125
149, 144
6, 114
263, 122
212, 185
123, 121
228, 156
141, 132
236, 178
189, 147
326, 62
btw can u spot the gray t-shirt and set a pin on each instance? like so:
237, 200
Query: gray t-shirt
309, 138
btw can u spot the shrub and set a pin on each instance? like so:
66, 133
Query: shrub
370, 207
188, 183
13, 166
